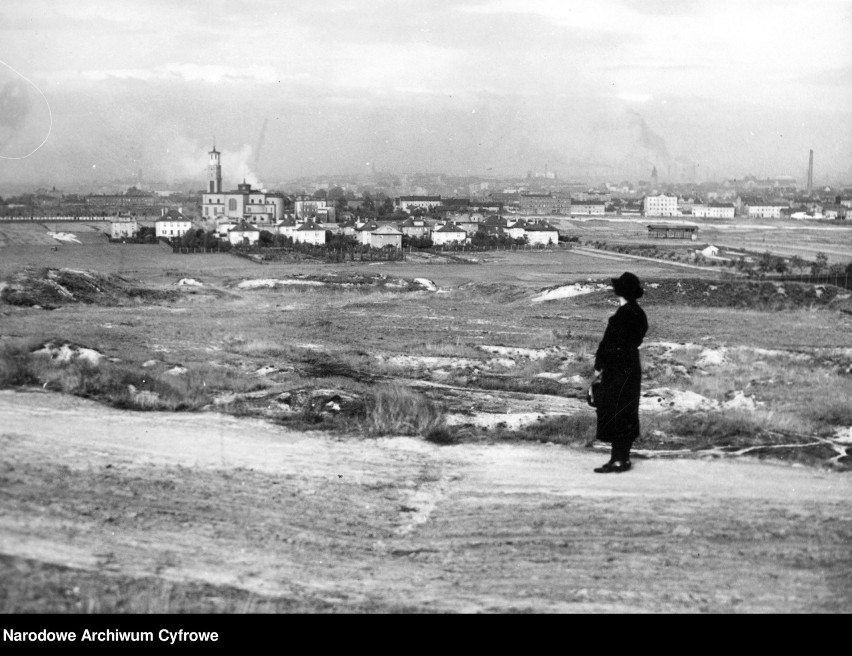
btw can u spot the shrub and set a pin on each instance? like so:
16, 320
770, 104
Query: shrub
395, 410
15, 366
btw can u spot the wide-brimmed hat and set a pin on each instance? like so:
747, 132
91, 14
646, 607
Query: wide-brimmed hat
627, 286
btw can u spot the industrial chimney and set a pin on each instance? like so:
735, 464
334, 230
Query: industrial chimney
811, 173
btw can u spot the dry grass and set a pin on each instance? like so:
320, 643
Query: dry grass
121, 386
395, 410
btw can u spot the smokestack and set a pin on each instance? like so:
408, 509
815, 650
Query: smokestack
811, 173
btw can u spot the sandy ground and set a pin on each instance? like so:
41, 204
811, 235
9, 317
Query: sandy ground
399, 521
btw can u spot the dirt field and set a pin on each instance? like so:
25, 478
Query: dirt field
399, 524
738, 501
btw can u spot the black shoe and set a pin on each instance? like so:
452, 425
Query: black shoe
613, 467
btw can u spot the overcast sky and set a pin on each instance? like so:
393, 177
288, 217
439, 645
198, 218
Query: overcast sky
706, 88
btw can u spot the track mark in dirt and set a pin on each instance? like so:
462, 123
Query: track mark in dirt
389, 521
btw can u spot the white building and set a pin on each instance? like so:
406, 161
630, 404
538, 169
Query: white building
309, 233
409, 203
307, 207
362, 234
661, 205
123, 228
518, 229
713, 211
386, 235
768, 211
448, 234
286, 227
587, 208
541, 233
172, 224
243, 233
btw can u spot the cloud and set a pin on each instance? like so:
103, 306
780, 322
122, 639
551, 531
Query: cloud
212, 74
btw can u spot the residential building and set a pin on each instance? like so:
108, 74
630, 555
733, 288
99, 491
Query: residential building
123, 228
765, 210
362, 234
413, 227
243, 234
544, 204
308, 207
386, 235
661, 205
714, 211
309, 233
287, 227
541, 234
518, 229
411, 203
448, 234
172, 224
588, 208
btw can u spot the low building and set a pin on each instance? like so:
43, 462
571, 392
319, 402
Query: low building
765, 211
308, 207
714, 211
243, 234
123, 228
286, 227
832, 211
172, 224
413, 227
386, 235
362, 234
588, 208
518, 229
541, 234
410, 203
309, 233
448, 233
544, 204
672, 231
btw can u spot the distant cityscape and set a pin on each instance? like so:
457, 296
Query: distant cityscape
460, 205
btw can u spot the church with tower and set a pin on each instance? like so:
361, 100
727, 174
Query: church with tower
242, 204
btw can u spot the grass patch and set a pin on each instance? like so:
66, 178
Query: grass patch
117, 385
729, 428
577, 430
395, 410
545, 386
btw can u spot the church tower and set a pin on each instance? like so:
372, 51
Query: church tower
214, 172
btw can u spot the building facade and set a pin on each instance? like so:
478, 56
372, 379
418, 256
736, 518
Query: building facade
172, 224
714, 211
309, 233
410, 203
672, 231
251, 205
769, 211
588, 208
448, 234
661, 205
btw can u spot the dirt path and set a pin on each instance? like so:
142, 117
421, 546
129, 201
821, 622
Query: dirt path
401, 522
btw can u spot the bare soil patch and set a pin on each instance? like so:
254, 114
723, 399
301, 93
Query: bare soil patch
117, 510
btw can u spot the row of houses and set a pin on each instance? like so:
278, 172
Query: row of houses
383, 234
173, 224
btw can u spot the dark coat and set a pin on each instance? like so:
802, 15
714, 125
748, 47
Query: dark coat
621, 381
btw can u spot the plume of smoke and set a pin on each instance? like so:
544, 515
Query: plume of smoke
649, 139
236, 164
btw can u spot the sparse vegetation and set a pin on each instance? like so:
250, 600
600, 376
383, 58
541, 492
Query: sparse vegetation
395, 410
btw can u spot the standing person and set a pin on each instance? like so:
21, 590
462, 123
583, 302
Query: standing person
617, 364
